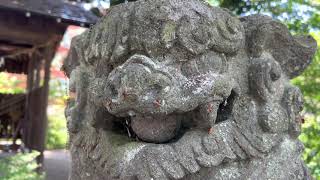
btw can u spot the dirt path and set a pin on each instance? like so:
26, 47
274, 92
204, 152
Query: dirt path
57, 164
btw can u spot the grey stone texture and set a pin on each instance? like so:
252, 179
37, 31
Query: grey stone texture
177, 89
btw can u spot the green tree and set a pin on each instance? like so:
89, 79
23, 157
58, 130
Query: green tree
20, 167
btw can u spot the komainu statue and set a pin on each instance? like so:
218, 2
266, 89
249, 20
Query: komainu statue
177, 89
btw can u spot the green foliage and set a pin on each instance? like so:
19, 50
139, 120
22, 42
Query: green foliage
58, 92
213, 2
57, 134
9, 84
20, 167
310, 139
301, 16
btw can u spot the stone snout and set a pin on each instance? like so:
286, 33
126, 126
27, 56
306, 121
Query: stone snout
156, 97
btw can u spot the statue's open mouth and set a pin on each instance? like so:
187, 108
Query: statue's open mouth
169, 128
155, 102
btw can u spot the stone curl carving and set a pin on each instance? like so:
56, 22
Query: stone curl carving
175, 89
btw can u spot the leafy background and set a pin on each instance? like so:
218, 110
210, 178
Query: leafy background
20, 167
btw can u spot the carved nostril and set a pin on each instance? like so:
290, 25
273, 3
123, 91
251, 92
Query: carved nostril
274, 76
275, 72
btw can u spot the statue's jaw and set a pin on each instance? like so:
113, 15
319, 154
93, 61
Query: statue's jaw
196, 149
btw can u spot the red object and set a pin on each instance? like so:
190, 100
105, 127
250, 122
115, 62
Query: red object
157, 103
210, 130
57, 73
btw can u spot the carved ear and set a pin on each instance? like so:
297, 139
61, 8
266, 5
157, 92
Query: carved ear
293, 53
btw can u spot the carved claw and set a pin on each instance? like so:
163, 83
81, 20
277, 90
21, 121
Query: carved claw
209, 114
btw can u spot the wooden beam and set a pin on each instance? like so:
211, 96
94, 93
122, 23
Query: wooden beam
6, 49
19, 28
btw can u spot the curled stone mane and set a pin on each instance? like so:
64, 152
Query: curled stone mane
176, 89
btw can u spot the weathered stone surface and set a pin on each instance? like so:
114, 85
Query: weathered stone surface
176, 89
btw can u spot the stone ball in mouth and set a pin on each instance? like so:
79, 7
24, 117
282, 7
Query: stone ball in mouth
156, 129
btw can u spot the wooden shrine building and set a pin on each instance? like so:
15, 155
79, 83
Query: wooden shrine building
30, 31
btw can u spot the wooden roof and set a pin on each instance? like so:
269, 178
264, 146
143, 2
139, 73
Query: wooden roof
27, 26
66, 12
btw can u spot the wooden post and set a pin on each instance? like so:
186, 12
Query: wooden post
26, 125
35, 123
48, 54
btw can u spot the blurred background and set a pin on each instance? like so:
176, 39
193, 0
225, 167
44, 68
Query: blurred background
71, 18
